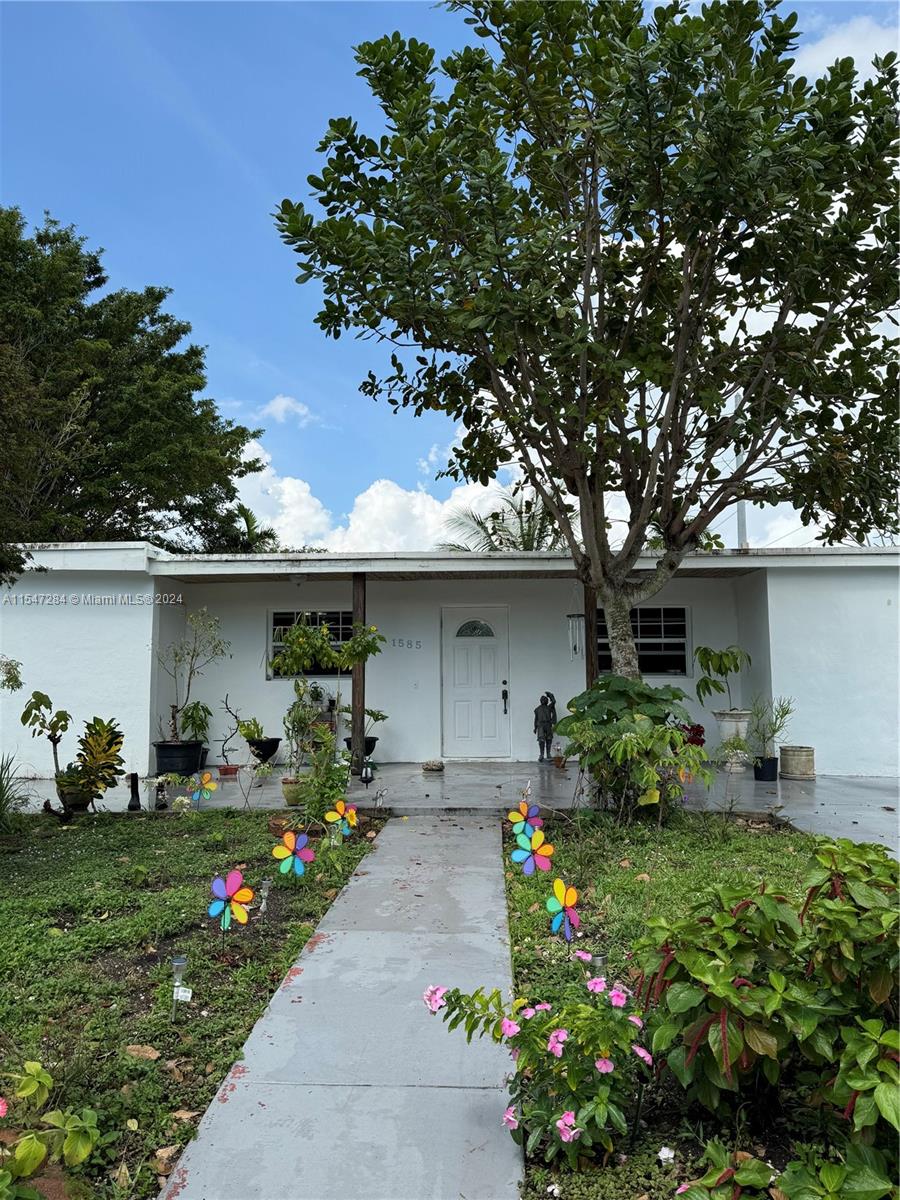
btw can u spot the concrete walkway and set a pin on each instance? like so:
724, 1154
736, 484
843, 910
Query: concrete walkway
349, 1089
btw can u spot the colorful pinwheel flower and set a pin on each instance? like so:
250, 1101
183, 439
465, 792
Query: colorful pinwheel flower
231, 899
206, 785
293, 852
525, 818
533, 852
344, 815
561, 906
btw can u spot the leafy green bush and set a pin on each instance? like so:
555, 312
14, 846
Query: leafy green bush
745, 988
578, 1068
67, 1135
633, 741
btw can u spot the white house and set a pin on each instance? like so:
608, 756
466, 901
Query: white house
461, 631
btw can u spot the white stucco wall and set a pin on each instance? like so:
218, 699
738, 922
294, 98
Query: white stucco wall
405, 681
752, 601
92, 659
834, 648
825, 634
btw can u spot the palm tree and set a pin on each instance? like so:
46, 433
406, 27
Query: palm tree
248, 536
520, 522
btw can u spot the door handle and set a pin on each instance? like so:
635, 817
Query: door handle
505, 695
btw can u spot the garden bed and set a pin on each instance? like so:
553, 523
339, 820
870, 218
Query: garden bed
90, 916
624, 876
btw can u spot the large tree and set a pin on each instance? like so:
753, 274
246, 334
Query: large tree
637, 256
103, 431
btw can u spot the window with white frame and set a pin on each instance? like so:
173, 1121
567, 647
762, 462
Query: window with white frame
340, 627
661, 637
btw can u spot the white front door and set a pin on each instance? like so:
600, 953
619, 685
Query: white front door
475, 669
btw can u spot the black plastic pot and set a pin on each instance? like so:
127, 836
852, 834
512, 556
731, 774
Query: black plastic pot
370, 745
263, 749
177, 758
204, 755
765, 770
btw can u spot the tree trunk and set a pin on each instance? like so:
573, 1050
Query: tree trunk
617, 608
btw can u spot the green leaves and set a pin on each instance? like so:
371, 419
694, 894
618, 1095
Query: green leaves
681, 997
887, 1097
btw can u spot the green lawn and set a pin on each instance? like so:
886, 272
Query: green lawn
624, 875
90, 915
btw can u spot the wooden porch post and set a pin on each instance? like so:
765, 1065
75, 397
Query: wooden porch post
591, 656
358, 682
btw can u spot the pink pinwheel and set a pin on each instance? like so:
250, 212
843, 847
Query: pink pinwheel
293, 852
531, 852
231, 899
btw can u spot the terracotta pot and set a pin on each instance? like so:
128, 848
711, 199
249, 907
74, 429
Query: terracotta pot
227, 771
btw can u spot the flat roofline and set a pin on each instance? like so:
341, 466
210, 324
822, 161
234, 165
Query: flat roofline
147, 559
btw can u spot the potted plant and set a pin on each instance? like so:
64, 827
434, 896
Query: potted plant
326, 781
195, 718
718, 666
300, 722
99, 765
261, 747
183, 661
373, 717
768, 721
229, 770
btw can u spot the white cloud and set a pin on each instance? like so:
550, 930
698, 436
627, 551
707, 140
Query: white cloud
281, 407
385, 516
860, 38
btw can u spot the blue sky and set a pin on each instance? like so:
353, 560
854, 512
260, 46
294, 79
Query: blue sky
167, 132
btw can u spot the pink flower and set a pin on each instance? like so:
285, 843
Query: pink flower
514, 1054
527, 1013
596, 985
4, 1107
434, 997
509, 1118
617, 998
566, 1127
542, 1007
555, 1044
681, 1190
636, 1021
583, 955
509, 1028
604, 1065
643, 1055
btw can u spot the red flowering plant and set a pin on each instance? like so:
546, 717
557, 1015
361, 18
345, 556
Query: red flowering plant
578, 1069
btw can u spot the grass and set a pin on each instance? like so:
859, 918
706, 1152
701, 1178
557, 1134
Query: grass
623, 875
90, 915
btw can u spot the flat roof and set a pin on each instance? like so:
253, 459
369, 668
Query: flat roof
149, 559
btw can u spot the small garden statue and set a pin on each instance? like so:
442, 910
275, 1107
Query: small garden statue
544, 720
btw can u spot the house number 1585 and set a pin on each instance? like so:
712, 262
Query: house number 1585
406, 644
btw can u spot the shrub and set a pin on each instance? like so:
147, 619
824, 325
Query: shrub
745, 988
634, 742
577, 1069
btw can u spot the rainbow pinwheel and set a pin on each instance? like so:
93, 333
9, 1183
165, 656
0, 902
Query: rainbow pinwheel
561, 906
344, 815
533, 852
231, 899
525, 818
206, 785
293, 852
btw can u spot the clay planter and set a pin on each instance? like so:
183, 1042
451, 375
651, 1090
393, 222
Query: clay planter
227, 771
74, 800
292, 790
278, 826
798, 762
559, 761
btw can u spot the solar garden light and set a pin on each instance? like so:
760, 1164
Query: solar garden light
263, 896
367, 774
179, 962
